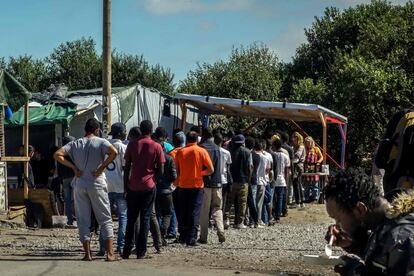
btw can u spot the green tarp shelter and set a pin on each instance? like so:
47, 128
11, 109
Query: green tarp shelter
12, 92
43, 115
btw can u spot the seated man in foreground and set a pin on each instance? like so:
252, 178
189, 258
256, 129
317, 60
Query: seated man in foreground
379, 233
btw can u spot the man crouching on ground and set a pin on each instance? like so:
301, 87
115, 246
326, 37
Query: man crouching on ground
380, 234
89, 184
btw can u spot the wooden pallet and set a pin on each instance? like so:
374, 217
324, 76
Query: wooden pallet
43, 197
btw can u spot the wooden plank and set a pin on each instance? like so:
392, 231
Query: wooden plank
14, 159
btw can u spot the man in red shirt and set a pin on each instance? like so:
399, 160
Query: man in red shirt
192, 162
143, 159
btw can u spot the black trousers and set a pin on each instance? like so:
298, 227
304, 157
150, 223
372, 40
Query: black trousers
164, 207
139, 204
298, 190
190, 202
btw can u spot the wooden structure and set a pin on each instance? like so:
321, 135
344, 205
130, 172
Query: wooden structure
294, 112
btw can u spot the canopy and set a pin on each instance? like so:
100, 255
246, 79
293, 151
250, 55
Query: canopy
271, 110
262, 109
12, 92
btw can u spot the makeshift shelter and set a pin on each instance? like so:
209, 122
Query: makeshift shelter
294, 112
13, 95
130, 105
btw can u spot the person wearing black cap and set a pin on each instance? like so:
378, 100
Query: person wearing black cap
66, 175
241, 171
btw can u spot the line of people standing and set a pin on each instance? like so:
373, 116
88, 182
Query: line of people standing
196, 182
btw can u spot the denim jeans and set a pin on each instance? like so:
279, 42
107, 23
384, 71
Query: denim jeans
280, 198
117, 200
172, 230
68, 196
267, 204
312, 191
251, 203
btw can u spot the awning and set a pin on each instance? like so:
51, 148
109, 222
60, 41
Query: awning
261, 109
43, 115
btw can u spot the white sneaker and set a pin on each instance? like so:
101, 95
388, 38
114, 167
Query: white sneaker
240, 226
260, 226
302, 206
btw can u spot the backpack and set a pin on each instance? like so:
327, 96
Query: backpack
395, 152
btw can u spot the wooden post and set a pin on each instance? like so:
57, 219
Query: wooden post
255, 124
324, 136
106, 69
183, 116
26, 151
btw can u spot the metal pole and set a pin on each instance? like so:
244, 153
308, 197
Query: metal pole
106, 69
26, 151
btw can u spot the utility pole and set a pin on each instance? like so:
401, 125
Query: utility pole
106, 69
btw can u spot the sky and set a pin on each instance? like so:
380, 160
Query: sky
174, 33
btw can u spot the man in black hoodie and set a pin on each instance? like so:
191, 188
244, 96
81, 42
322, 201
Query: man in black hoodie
212, 190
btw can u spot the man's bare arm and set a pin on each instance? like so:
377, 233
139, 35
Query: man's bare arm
59, 156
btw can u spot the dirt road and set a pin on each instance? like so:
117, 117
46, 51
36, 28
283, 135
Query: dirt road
275, 250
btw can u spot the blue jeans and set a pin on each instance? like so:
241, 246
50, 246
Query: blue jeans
172, 230
118, 200
68, 197
280, 198
267, 204
312, 191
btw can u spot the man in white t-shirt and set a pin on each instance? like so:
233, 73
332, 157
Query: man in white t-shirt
282, 163
115, 178
262, 178
226, 179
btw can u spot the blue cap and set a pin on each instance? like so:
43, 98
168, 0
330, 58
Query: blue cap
238, 139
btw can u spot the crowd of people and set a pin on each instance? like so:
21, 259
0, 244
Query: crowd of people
183, 189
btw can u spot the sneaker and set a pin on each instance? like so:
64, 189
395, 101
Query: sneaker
240, 226
302, 206
221, 237
260, 226
293, 206
226, 224
201, 241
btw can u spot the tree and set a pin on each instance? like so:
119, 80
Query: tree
252, 73
359, 62
77, 64
32, 73
131, 69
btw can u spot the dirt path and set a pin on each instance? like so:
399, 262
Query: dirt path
275, 250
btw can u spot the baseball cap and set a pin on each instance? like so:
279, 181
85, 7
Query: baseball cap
117, 128
238, 139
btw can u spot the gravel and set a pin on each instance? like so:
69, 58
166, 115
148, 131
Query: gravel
275, 250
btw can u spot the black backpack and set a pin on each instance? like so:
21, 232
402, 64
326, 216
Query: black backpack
395, 152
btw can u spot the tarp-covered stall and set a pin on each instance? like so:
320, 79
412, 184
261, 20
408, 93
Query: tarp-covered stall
295, 112
13, 95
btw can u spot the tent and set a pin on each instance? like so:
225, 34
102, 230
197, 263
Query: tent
130, 105
294, 112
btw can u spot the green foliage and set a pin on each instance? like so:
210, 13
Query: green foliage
32, 73
360, 63
78, 65
130, 69
252, 73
